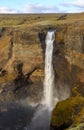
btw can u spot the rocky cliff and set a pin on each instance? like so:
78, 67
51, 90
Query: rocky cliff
22, 48
70, 74
21, 61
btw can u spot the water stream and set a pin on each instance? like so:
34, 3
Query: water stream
49, 72
34, 118
42, 116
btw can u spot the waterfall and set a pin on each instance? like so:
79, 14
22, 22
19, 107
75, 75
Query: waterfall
49, 72
42, 115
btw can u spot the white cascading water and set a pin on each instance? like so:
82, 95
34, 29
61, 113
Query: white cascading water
49, 72
42, 116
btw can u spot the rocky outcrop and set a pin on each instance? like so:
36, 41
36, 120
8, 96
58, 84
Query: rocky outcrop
70, 112
67, 113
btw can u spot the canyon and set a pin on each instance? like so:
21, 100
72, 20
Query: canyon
22, 56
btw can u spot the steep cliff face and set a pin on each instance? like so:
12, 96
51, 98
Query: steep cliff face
21, 61
70, 112
22, 48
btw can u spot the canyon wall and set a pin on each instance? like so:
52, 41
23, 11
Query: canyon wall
22, 51
22, 56
70, 112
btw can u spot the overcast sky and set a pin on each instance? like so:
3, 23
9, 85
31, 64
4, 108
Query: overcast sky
41, 6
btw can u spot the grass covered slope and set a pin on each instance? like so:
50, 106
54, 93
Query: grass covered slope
36, 19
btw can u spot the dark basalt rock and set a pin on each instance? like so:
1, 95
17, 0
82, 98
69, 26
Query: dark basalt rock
42, 36
2, 31
2, 72
62, 127
62, 17
21, 80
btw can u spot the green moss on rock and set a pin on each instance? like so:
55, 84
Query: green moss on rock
66, 111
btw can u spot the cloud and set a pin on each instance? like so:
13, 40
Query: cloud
76, 6
39, 8
31, 8
7, 10
65, 7
76, 3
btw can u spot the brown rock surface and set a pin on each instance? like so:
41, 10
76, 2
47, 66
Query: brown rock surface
21, 50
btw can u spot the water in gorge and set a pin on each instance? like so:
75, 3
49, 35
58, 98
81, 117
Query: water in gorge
41, 119
49, 72
38, 117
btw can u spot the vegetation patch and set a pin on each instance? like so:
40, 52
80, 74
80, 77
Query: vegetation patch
65, 113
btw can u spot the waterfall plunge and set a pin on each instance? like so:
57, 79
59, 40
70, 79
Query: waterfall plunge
49, 72
41, 118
